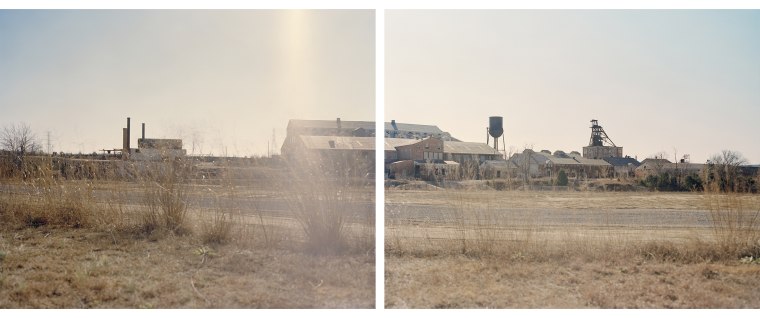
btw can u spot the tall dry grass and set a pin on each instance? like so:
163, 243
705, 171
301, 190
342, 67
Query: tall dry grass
225, 215
322, 210
47, 200
475, 227
735, 222
472, 227
151, 199
165, 197
333, 210
48, 197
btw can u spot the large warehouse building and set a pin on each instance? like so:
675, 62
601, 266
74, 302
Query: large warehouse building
349, 145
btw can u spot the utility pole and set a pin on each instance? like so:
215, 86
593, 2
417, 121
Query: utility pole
274, 140
48, 141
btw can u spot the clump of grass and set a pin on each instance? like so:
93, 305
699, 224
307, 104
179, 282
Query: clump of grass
71, 206
165, 197
323, 208
220, 226
323, 215
50, 201
218, 229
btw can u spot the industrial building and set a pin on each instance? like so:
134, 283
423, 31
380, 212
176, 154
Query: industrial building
299, 127
415, 131
336, 155
152, 149
623, 166
600, 145
416, 149
657, 166
439, 157
423, 159
427, 152
545, 164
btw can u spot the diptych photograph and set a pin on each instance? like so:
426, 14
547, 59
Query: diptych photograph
379, 158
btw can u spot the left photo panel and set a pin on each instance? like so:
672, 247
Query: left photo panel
187, 159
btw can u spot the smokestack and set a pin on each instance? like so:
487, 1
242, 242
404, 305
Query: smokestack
143, 130
338, 123
124, 143
393, 123
128, 135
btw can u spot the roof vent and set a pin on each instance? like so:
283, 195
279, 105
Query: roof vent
332, 143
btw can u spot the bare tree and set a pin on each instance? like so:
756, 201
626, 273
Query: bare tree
724, 169
19, 140
524, 165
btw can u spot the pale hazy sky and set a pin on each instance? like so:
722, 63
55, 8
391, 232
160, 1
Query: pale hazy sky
655, 80
217, 79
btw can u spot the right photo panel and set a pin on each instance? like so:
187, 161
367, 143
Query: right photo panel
572, 158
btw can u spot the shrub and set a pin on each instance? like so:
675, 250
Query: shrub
562, 178
324, 204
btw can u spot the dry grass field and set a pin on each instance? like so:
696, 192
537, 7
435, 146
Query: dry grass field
546, 249
84, 268
159, 241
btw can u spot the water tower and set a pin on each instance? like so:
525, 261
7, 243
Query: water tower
495, 129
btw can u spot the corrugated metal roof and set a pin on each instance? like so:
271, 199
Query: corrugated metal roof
392, 143
668, 166
542, 158
339, 142
655, 160
592, 162
622, 161
468, 148
498, 163
435, 162
430, 129
344, 124
562, 161
369, 125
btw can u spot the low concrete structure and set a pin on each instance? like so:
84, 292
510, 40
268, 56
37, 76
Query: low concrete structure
431, 170
157, 149
497, 169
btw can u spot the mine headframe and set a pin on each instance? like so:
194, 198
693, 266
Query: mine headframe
598, 136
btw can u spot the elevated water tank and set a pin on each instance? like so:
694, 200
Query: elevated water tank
495, 126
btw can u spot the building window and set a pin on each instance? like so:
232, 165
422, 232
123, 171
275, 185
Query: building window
432, 155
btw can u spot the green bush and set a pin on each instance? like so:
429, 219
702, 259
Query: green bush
668, 182
562, 178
